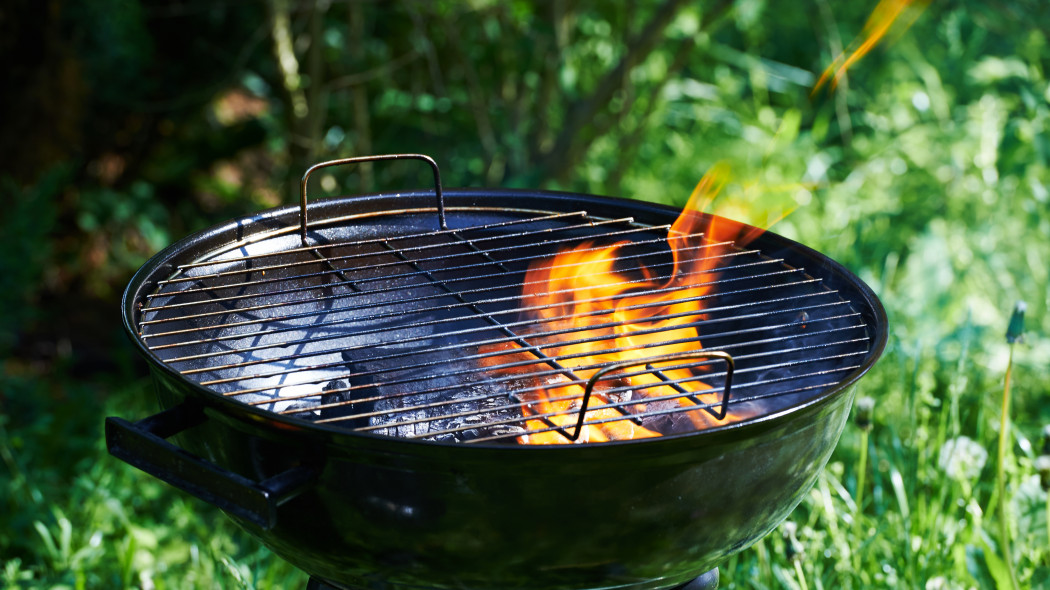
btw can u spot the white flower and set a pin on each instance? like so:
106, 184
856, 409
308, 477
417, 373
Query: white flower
962, 458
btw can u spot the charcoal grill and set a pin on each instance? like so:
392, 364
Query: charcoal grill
351, 378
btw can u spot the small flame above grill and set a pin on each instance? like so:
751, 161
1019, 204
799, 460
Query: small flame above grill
887, 15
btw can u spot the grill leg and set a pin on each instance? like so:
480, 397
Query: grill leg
708, 581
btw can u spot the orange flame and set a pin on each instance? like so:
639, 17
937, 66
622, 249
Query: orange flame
587, 314
886, 14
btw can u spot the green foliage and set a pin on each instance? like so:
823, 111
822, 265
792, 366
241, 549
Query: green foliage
926, 173
27, 251
74, 517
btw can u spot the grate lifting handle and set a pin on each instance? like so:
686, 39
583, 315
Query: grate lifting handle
723, 407
361, 159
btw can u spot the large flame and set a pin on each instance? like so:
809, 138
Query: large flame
588, 313
887, 15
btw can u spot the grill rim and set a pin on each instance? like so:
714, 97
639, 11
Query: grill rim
340, 209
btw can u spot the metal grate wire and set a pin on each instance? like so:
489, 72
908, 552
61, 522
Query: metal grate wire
425, 335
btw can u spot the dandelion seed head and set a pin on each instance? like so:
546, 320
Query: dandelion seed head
1042, 467
962, 458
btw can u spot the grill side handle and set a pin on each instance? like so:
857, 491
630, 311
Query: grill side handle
142, 444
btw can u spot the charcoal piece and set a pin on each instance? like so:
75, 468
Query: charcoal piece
508, 431
303, 411
337, 401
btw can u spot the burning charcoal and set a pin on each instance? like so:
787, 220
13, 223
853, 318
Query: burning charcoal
672, 421
489, 419
303, 411
447, 437
509, 431
334, 404
620, 394
341, 392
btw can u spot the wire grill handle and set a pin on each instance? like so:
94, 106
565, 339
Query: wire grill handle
142, 444
648, 362
361, 159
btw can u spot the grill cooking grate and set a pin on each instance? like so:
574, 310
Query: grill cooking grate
418, 333
383, 323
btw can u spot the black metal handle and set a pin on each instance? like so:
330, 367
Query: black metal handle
357, 160
648, 362
142, 445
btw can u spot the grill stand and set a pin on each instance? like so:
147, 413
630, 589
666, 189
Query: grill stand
706, 581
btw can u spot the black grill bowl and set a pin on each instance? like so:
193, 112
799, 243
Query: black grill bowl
369, 511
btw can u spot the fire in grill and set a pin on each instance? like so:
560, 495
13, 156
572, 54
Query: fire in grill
355, 390
447, 335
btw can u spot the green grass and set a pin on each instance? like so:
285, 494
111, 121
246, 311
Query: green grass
920, 525
74, 517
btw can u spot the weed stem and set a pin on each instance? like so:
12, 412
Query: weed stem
1000, 476
862, 470
862, 417
801, 575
